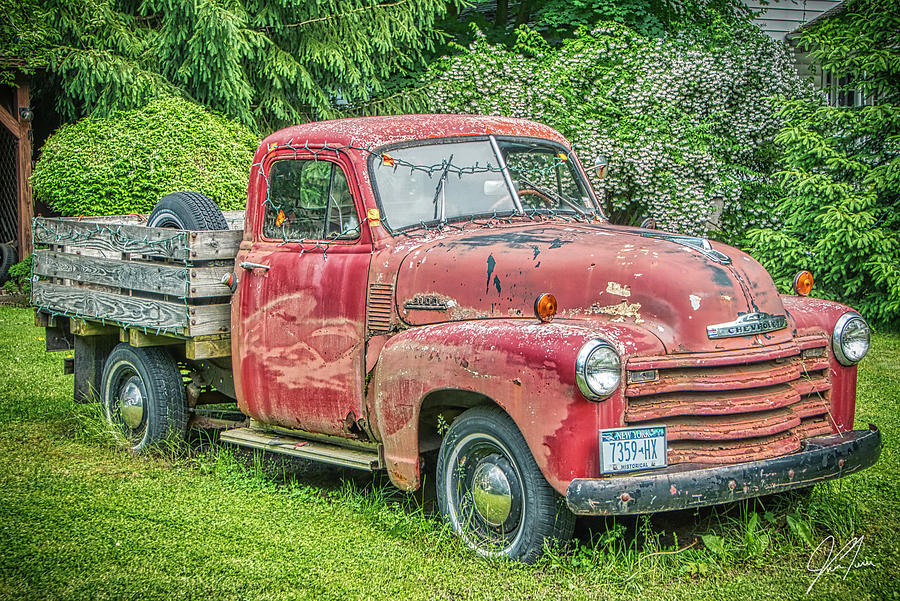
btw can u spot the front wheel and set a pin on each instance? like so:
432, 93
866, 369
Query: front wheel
491, 491
143, 396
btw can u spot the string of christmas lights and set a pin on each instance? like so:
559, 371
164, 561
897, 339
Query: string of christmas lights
164, 247
424, 229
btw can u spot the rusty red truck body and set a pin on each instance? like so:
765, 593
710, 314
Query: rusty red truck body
449, 283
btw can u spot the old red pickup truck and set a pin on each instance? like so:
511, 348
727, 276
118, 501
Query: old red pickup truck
411, 284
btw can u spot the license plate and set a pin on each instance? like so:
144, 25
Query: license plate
629, 449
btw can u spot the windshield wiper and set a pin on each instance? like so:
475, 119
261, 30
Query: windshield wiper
553, 195
439, 210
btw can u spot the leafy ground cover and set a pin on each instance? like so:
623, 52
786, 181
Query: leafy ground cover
81, 519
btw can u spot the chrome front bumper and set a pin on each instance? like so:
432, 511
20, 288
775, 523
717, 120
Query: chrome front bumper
685, 486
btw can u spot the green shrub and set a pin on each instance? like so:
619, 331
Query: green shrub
684, 119
125, 163
19, 281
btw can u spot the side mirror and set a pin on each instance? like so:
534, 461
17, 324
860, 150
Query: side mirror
599, 168
648, 224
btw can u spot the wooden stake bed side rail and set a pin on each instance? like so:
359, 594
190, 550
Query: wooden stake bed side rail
146, 313
179, 245
153, 282
234, 219
154, 277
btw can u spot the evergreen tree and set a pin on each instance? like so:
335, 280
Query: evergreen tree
266, 63
841, 169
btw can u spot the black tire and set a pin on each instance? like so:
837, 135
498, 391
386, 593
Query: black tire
484, 445
187, 211
8, 258
143, 396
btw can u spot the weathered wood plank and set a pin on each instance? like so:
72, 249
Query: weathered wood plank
113, 308
23, 169
155, 315
208, 349
207, 282
138, 338
44, 320
90, 358
82, 327
160, 278
210, 245
113, 238
234, 219
178, 245
209, 319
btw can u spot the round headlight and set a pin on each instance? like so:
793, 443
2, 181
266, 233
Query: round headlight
851, 338
598, 369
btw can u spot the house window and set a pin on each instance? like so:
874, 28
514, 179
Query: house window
836, 88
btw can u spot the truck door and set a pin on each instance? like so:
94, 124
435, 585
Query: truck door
299, 316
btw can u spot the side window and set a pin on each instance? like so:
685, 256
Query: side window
342, 223
538, 175
309, 200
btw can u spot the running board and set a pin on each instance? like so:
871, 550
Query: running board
307, 449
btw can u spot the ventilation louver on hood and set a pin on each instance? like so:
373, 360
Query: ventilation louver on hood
379, 308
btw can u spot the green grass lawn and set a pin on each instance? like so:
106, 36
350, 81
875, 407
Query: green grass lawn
81, 519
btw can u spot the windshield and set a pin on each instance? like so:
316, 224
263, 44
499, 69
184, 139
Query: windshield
452, 180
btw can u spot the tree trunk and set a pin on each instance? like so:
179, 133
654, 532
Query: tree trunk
525, 8
502, 15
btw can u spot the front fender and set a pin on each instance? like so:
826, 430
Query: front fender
815, 315
527, 368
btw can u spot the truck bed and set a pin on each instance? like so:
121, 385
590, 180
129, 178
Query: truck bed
114, 272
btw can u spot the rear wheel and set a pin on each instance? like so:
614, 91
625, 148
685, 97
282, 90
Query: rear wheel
143, 396
491, 491
187, 211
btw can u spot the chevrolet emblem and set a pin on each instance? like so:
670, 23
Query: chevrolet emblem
747, 325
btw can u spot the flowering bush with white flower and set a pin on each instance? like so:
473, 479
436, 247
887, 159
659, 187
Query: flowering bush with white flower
685, 120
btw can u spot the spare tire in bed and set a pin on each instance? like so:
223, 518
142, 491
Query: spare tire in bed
187, 211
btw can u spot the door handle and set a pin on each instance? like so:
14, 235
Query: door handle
251, 266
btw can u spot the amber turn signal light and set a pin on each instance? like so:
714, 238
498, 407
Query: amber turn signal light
545, 307
803, 283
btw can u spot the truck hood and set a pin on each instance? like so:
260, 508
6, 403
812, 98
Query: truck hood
596, 272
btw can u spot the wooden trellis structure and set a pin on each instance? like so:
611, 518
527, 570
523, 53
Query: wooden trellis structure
16, 208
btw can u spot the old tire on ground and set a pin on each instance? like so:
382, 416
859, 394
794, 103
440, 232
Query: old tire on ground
143, 396
187, 211
491, 491
7, 260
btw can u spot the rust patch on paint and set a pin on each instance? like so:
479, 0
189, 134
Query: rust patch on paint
618, 289
618, 311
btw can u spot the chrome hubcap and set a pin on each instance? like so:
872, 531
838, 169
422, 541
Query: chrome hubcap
485, 494
131, 403
491, 493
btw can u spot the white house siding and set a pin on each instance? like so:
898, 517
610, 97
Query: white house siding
784, 16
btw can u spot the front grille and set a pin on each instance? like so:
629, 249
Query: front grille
734, 406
